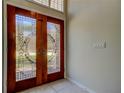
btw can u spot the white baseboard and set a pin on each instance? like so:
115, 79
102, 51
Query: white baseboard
80, 85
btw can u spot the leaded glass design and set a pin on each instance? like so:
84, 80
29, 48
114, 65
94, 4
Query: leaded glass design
53, 49
25, 47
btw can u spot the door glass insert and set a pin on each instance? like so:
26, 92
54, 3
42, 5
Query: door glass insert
53, 47
25, 47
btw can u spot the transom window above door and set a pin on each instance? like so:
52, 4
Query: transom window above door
54, 4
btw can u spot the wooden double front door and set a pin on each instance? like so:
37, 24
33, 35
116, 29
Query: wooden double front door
35, 49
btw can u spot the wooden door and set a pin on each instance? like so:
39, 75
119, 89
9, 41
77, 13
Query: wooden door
55, 49
28, 49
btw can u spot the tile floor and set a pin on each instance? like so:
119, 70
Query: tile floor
59, 86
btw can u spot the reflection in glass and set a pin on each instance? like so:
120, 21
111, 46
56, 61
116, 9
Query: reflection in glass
53, 49
25, 47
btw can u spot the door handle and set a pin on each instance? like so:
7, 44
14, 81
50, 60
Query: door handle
42, 52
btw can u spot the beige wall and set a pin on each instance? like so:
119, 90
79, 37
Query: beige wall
89, 21
33, 7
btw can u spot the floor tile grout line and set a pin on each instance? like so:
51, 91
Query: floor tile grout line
53, 88
59, 89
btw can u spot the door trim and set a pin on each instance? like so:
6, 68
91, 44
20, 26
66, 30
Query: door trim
10, 49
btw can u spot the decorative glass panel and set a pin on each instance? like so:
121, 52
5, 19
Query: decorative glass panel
53, 49
25, 47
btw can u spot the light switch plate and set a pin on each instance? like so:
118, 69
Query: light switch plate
100, 44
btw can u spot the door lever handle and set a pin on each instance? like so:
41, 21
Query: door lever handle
43, 52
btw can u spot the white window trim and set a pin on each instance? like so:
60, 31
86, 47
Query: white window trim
49, 6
